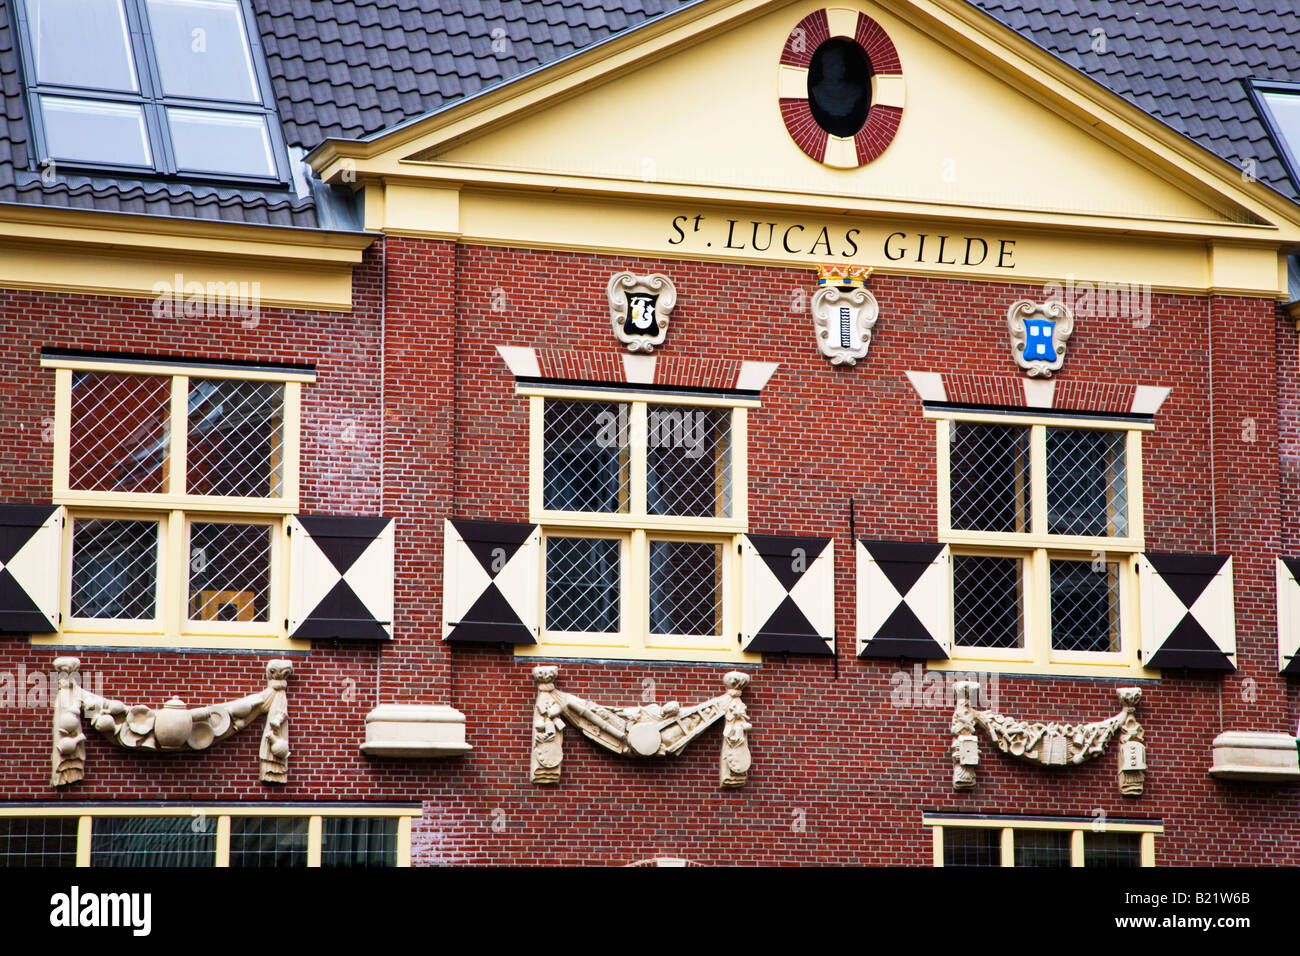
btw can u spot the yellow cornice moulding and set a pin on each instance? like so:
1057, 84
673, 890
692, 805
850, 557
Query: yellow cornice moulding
99, 253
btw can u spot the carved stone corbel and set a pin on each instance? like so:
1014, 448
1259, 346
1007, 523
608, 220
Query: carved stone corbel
648, 730
171, 727
1047, 744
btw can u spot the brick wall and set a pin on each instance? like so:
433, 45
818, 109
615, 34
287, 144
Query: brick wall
842, 771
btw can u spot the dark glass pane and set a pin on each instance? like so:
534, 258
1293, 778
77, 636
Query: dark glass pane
154, 841
1112, 849
203, 49
988, 468
236, 438
972, 846
583, 585
1087, 492
268, 841
1085, 606
685, 588
586, 464
119, 433
1042, 848
82, 43
986, 594
230, 572
839, 86
38, 841
114, 569
359, 841
688, 461
95, 132
209, 142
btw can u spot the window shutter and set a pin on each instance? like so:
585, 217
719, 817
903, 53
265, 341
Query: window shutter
31, 550
788, 585
904, 599
490, 575
1288, 616
1187, 611
341, 578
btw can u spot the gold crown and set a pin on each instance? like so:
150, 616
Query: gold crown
843, 275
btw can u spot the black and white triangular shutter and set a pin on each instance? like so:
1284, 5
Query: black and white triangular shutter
490, 575
788, 585
341, 577
1288, 616
31, 546
904, 599
1187, 611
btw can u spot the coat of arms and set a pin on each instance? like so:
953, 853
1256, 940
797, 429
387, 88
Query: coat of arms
843, 313
1038, 336
639, 309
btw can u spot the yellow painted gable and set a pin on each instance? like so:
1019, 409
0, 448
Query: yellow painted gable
707, 114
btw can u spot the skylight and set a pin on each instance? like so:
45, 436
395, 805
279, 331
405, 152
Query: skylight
159, 86
1280, 110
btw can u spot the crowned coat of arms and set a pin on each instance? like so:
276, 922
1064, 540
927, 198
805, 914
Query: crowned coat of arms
1038, 335
639, 309
843, 313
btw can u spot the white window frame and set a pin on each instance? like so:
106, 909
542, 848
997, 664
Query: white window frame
175, 511
636, 528
1037, 548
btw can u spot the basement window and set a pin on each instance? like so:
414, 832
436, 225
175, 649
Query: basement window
172, 87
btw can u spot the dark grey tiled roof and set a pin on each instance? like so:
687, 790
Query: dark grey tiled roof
1182, 61
348, 68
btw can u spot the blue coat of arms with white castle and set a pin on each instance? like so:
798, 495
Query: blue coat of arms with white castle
1038, 336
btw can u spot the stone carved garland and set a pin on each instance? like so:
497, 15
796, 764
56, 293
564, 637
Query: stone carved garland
1051, 744
650, 730
171, 727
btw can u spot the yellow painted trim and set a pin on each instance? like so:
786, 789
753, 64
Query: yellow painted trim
83, 839
223, 842
62, 426
315, 829
253, 809
192, 369
1022, 823
1149, 847
71, 250
1076, 848
1008, 846
1036, 418
936, 845
628, 395
404, 841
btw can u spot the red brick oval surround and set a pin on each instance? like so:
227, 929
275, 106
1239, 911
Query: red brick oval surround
882, 121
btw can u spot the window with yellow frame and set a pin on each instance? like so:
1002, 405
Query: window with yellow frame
178, 479
641, 499
1043, 516
206, 835
989, 840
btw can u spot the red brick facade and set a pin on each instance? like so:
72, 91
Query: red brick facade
841, 773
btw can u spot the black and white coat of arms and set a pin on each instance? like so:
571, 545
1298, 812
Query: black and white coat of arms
639, 309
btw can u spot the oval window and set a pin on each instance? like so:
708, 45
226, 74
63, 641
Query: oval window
839, 86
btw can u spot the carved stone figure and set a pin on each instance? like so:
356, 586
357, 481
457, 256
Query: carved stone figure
1038, 335
172, 727
640, 308
647, 730
844, 313
1050, 744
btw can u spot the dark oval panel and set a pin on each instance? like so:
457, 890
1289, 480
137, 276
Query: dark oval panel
839, 86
